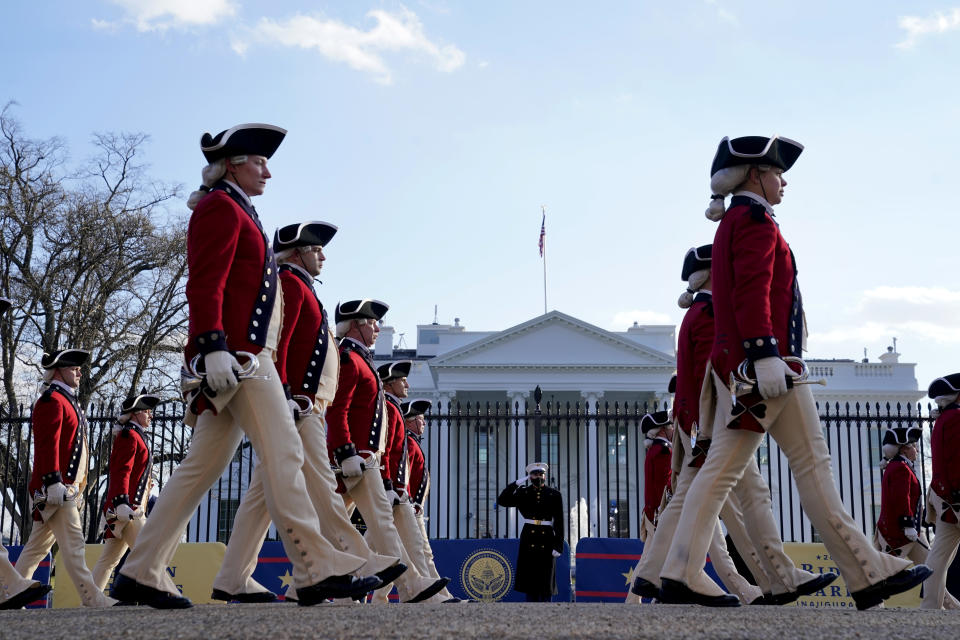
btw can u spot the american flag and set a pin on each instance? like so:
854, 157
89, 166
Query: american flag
543, 233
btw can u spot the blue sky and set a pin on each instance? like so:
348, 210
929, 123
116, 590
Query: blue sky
431, 132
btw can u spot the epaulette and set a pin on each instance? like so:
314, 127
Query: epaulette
758, 212
47, 393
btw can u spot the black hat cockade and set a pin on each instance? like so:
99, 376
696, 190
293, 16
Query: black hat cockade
253, 138
901, 435
64, 358
945, 386
142, 402
394, 370
305, 234
415, 408
5, 304
655, 420
360, 309
697, 259
776, 151
672, 385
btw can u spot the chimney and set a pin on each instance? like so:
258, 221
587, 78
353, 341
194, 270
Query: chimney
384, 345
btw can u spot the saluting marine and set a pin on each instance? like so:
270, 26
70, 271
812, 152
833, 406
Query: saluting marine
60, 460
541, 539
128, 488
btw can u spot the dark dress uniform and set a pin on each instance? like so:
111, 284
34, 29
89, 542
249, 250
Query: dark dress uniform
542, 534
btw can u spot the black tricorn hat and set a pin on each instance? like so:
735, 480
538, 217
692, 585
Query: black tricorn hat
394, 370
697, 259
304, 234
142, 402
672, 385
780, 152
357, 309
5, 304
944, 386
655, 420
902, 435
415, 408
64, 358
252, 138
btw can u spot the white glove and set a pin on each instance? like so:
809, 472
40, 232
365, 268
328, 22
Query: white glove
772, 375
522, 479
352, 467
555, 553
56, 494
911, 533
124, 512
294, 409
221, 370
393, 497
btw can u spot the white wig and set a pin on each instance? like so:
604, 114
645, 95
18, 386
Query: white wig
210, 175
285, 254
696, 281
342, 328
723, 183
943, 401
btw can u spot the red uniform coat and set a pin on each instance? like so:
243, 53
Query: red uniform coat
693, 351
395, 468
355, 420
232, 281
945, 455
59, 435
756, 300
130, 464
899, 502
304, 338
656, 475
419, 482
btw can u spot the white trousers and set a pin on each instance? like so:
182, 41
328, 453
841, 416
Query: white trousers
413, 535
940, 557
798, 432
253, 520
367, 494
113, 550
11, 582
259, 409
64, 528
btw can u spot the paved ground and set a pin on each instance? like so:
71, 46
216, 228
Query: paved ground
498, 621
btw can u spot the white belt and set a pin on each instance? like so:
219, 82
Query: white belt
539, 523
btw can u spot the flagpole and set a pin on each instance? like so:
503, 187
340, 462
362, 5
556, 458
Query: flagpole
543, 210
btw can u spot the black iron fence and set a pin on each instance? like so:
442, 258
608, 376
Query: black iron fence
595, 452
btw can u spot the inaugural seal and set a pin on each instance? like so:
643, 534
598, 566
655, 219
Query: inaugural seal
486, 575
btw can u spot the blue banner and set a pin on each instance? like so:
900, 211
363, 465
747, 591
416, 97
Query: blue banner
42, 574
605, 568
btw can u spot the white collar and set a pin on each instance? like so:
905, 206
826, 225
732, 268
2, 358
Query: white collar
243, 195
64, 386
358, 343
300, 269
392, 396
758, 198
706, 291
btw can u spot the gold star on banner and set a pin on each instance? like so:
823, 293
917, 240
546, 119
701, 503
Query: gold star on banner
629, 575
286, 580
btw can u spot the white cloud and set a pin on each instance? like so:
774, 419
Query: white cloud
160, 15
917, 28
361, 50
623, 320
725, 15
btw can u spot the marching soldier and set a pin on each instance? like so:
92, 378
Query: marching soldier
236, 313
657, 429
128, 488
541, 539
943, 498
60, 459
394, 379
15, 590
308, 364
358, 434
759, 317
779, 581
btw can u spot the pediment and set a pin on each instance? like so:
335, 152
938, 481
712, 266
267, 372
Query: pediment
553, 340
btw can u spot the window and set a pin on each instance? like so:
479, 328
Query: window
227, 509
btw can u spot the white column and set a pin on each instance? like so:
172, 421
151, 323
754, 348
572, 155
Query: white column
518, 444
439, 524
591, 462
